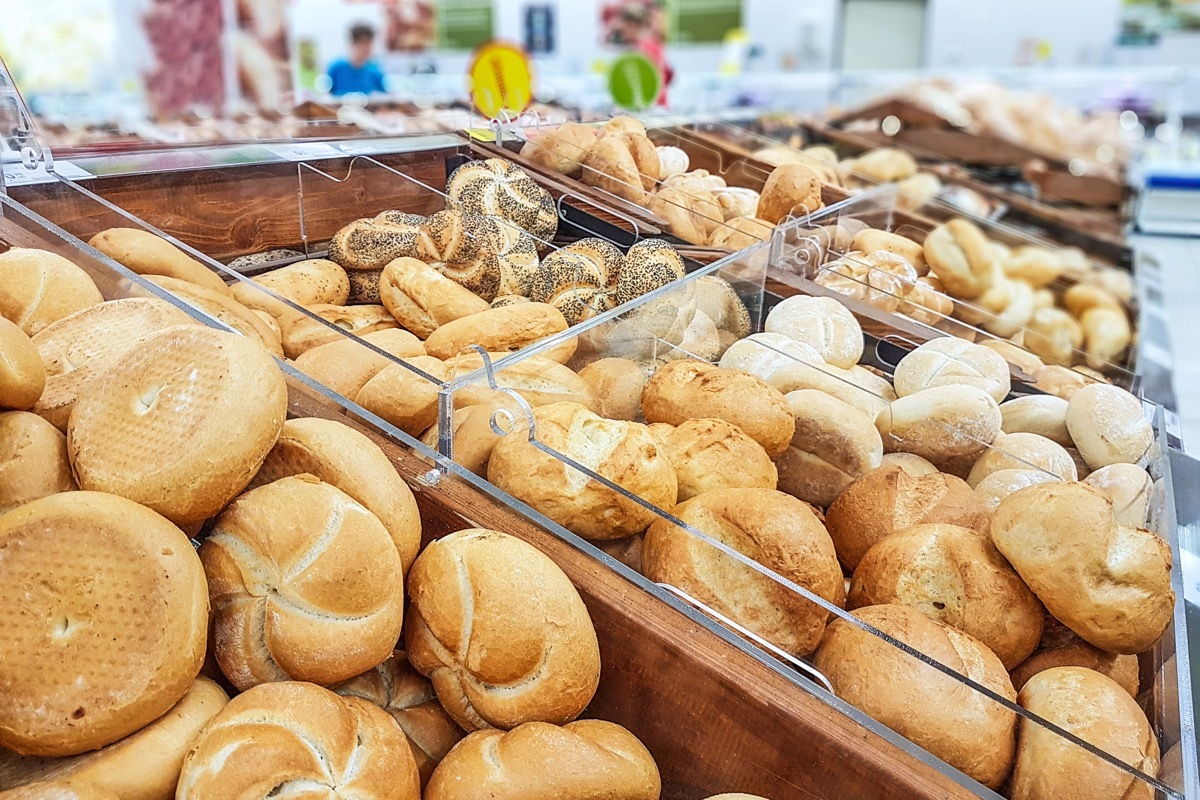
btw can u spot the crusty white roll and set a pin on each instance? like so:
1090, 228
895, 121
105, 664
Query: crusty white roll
498, 654
833, 445
501, 330
712, 454
1023, 451
1129, 487
947, 361
1108, 583
305, 283
1043, 414
405, 398
301, 332
22, 375
1108, 426
540, 381
222, 307
33, 460
1001, 483
38, 288
347, 364
473, 437
769, 527
582, 760
671, 161
821, 322
913, 465
941, 422
1059, 381
298, 734
149, 254
561, 149
617, 385
422, 299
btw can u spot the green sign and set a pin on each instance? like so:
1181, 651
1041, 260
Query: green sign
702, 21
634, 81
463, 24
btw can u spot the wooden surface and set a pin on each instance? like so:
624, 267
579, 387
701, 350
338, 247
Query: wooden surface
715, 718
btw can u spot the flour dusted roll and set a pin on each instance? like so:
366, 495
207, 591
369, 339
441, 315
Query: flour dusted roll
184, 385
500, 330
1129, 487
149, 254
1108, 426
22, 375
38, 288
947, 361
1042, 414
301, 333
421, 299
712, 454
347, 364
81, 347
369, 244
409, 698
672, 161
33, 460
941, 422
222, 307
582, 760
498, 187
1003, 482
341, 456
403, 397
106, 604
516, 656
772, 528
1023, 451
296, 733
821, 322
764, 354
305, 283
306, 584
833, 445
1097, 710
622, 452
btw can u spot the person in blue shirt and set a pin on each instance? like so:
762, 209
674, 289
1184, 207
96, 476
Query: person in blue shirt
358, 73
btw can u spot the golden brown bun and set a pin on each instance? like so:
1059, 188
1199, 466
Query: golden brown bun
1106, 334
33, 460
683, 390
170, 426
22, 376
79, 348
147, 254
404, 398
301, 332
1034, 265
562, 149
961, 257
772, 528
537, 379
1108, 583
1077, 653
422, 299
108, 599
1043, 414
1059, 381
1096, 709
341, 456
223, 308
822, 323
401, 691
296, 733
1023, 451
1053, 335
834, 444
293, 566
791, 190
142, 766
1129, 487
689, 214
963, 727
886, 164
1019, 357
584, 760
346, 365
957, 577
913, 465
712, 454
738, 233
623, 452
947, 361
38, 288
305, 283
889, 499
940, 423
621, 164
617, 385
500, 330
1108, 426
473, 435
498, 654
871, 240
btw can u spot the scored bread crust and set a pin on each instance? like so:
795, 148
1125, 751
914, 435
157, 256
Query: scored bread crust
22, 375
33, 460
38, 288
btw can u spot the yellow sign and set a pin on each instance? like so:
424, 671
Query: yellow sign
500, 79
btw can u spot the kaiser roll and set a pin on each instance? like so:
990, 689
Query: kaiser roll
1108, 426
305, 739
957, 577
347, 364
583, 760
833, 445
1096, 709
499, 654
617, 385
941, 422
148, 254
821, 322
964, 728
623, 452
500, 330
305, 583
38, 288
1042, 414
170, 425
1023, 451
22, 375
947, 361
890, 499
712, 454
305, 283
772, 528
104, 608
33, 460
1077, 653
343, 457
1129, 487
1108, 583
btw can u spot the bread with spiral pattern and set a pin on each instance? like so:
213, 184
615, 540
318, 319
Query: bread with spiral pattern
462, 246
500, 188
369, 244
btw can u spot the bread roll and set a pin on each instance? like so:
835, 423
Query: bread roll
305, 283
1108, 426
683, 390
296, 734
913, 465
1034, 265
947, 361
886, 164
740, 233
1096, 709
404, 693
957, 577
301, 332
149, 254
583, 760
870, 240
403, 397
1001, 483
625, 165
622, 452
22, 376
142, 766
941, 422
222, 307
500, 330
1108, 583
498, 654
821, 322
79, 348
561, 149
834, 444
1106, 335
342, 457
777, 531
473, 436
1023, 451
712, 454
1059, 381
1019, 357
38, 288
59, 790
763, 354
791, 190
1077, 653
539, 380
422, 299
106, 603
688, 214
1053, 335
963, 728
617, 385
1042, 414
33, 460
499, 188
1129, 487
960, 255
345, 365
890, 499
185, 386
366, 245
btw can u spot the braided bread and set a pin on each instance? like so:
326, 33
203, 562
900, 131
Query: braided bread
501, 188
369, 244
462, 246
962, 258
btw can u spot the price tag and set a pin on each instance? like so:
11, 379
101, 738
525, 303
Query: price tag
633, 81
20, 175
500, 78
481, 134
304, 151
